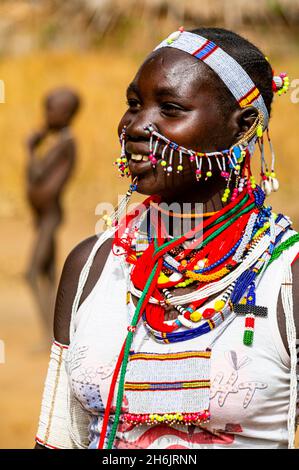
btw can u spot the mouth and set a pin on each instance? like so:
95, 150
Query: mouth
139, 164
138, 155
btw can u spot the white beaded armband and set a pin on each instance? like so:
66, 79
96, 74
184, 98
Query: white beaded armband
53, 429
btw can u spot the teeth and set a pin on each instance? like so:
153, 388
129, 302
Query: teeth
138, 158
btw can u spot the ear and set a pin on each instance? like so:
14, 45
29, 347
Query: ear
243, 120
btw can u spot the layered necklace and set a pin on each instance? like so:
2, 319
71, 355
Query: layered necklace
224, 264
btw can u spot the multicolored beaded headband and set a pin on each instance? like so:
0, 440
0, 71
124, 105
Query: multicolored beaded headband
226, 67
229, 160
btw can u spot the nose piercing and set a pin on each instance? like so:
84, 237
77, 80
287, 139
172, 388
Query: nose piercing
149, 128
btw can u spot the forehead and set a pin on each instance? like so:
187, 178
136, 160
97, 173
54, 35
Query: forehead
58, 99
174, 69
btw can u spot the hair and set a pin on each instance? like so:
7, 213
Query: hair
248, 56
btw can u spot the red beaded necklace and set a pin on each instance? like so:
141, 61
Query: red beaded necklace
155, 313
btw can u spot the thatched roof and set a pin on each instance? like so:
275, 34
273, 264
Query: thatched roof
227, 12
31, 23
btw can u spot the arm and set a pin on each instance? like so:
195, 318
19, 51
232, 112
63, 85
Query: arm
280, 312
38, 169
53, 431
295, 272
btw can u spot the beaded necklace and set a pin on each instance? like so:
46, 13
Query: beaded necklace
258, 238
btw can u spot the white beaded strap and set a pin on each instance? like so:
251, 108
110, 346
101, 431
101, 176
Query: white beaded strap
287, 302
84, 274
52, 429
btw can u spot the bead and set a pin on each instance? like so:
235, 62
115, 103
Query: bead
259, 130
209, 174
219, 305
169, 169
180, 168
274, 184
131, 328
162, 279
175, 277
201, 263
163, 163
196, 316
248, 337
208, 313
173, 36
266, 186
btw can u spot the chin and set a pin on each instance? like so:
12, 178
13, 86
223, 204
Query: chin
147, 185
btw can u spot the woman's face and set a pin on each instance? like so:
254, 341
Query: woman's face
177, 94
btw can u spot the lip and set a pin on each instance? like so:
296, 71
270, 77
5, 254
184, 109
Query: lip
141, 149
141, 167
138, 168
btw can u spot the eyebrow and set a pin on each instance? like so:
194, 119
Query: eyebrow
166, 91
133, 88
160, 92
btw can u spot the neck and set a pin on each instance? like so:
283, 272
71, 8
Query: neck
191, 202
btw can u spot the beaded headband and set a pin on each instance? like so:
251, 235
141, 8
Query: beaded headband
226, 67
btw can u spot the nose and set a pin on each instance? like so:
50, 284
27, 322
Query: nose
137, 129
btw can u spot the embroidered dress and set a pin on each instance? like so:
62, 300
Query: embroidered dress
249, 404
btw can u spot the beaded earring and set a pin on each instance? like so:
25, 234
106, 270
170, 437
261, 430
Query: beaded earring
113, 219
122, 162
269, 182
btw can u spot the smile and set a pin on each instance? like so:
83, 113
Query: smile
139, 158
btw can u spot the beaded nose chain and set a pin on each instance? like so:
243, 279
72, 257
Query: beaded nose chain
233, 164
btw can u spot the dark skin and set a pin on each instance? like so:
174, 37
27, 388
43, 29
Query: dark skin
176, 93
48, 171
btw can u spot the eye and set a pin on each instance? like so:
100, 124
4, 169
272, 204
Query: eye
171, 109
133, 104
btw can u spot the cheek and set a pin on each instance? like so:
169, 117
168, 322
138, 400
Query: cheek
192, 132
159, 181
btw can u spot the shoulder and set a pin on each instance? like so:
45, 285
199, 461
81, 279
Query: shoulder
66, 143
68, 284
295, 272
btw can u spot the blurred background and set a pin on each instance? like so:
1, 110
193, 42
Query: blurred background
95, 46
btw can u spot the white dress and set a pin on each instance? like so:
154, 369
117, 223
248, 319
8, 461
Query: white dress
250, 385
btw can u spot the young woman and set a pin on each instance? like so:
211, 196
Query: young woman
175, 328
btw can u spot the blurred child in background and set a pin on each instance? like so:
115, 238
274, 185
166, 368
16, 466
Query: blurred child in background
51, 157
